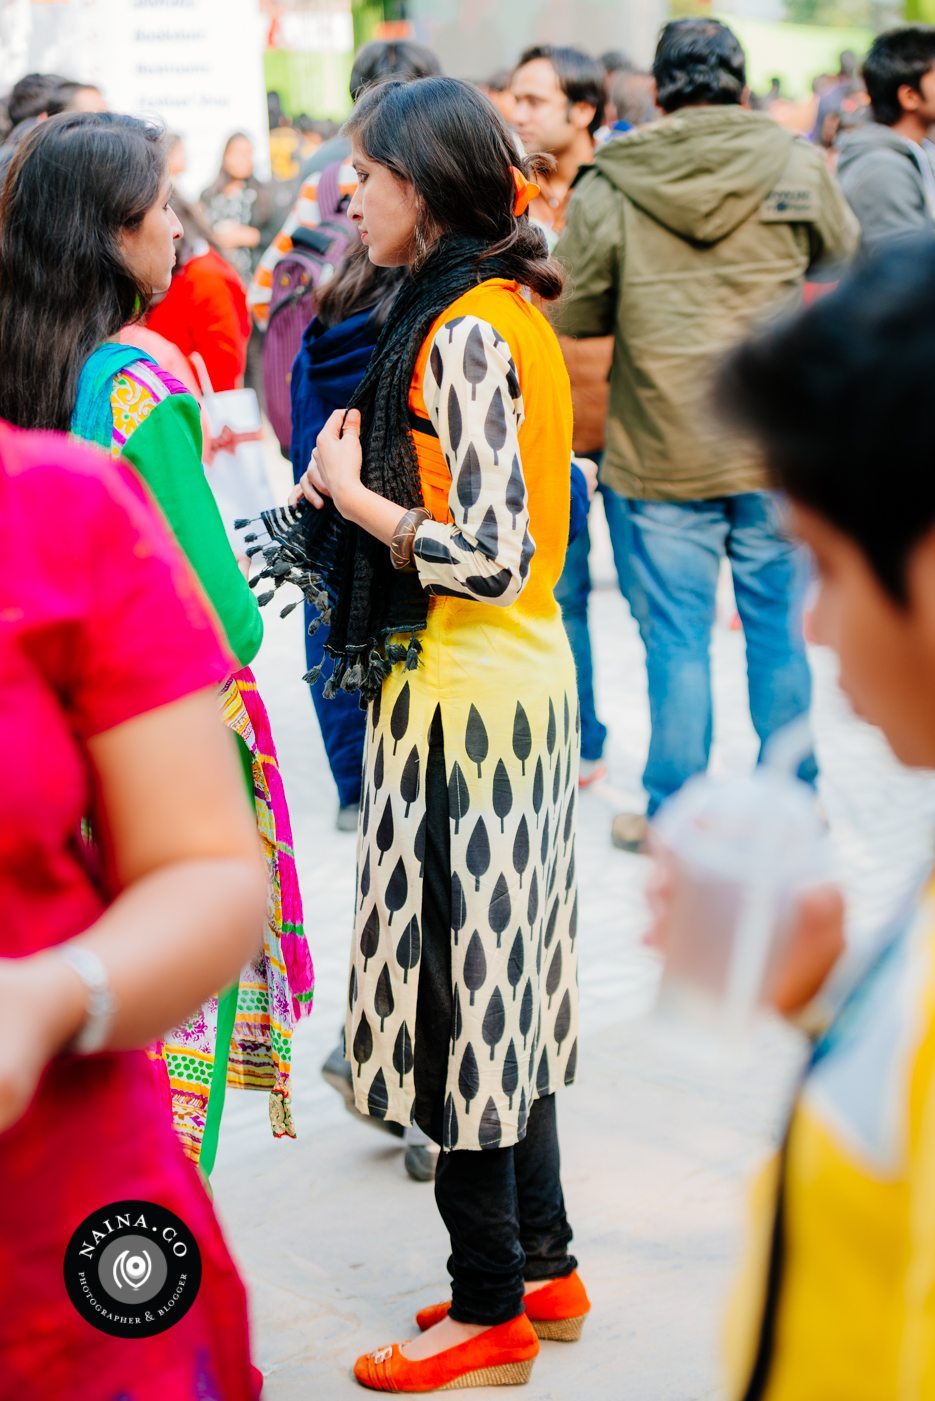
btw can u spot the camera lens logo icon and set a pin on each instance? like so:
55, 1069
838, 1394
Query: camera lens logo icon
132, 1270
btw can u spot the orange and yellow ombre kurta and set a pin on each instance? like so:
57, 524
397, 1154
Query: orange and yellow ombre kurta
490, 408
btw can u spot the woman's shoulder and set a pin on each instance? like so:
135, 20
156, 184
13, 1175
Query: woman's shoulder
501, 311
137, 390
492, 301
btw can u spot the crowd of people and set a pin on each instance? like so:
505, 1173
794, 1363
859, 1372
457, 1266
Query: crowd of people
486, 306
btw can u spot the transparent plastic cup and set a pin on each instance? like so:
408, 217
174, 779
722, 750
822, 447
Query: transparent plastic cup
740, 851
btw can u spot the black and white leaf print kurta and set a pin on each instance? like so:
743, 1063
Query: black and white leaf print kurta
501, 673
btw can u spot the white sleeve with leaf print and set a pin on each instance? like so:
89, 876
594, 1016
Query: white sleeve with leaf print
473, 399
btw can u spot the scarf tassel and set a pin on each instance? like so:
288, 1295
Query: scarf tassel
413, 652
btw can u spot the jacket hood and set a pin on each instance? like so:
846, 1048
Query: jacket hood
701, 172
872, 137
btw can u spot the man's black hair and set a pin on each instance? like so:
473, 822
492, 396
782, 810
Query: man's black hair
840, 398
699, 62
34, 95
580, 77
899, 58
392, 58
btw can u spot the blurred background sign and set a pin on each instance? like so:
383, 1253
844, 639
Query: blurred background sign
310, 50
197, 65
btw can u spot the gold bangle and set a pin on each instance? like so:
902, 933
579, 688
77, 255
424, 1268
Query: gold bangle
404, 537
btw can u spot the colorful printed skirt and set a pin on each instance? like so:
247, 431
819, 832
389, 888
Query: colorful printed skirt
255, 1021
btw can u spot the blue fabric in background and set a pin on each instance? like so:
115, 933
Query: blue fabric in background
327, 370
579, 503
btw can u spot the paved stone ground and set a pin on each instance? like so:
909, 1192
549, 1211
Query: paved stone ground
339, 1247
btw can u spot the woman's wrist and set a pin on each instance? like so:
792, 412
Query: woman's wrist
52, 985
351, 501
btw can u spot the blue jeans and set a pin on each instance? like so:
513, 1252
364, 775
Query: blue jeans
572, 593
342, 722
674, 557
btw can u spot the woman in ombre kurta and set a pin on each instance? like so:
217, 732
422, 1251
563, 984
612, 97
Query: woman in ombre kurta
96, 187
462, 1006
489, 395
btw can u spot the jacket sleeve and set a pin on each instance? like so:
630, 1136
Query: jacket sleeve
834, 234
887, 197
166, 451
473, 398
591, 249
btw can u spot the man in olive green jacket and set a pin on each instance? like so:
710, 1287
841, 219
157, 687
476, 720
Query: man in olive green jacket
684, 234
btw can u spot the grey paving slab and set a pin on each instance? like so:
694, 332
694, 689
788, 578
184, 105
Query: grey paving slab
339, 1247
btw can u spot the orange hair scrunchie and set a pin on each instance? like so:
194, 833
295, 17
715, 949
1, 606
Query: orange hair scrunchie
526, 191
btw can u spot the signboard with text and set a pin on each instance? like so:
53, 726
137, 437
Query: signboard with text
195, 65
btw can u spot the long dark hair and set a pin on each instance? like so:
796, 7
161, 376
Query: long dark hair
452, 146
450, 143
74, 185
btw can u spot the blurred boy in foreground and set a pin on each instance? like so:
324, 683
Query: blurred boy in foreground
838, 1298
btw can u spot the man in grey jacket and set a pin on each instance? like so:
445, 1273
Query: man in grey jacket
885, 167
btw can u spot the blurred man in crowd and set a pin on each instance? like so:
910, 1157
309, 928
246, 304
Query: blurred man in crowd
685, 233
499, 88
632, 100
885, 167
38, 96
559, 101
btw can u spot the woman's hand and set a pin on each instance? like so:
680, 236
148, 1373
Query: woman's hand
337, 460
814, 945
42, 1004
334, 471
310, 486
229, 234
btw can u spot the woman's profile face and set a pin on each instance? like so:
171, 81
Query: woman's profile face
149, 248
385, 210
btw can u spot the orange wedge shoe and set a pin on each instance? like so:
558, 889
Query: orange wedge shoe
556, 1311
500, 1356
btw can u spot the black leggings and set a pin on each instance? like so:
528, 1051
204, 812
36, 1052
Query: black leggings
503, 1207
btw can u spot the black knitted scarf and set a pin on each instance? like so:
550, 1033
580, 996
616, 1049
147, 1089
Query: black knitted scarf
344, 572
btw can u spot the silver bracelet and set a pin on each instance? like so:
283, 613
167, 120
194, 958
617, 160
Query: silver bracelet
101, 1003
